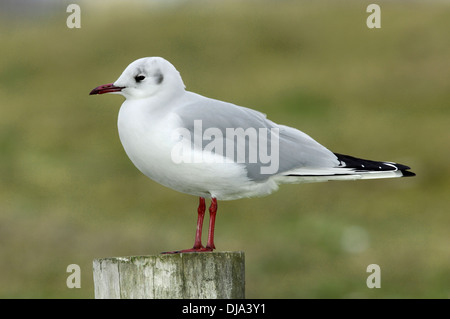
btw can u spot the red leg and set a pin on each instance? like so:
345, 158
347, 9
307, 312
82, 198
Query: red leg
201, 215
212, 223
198, 247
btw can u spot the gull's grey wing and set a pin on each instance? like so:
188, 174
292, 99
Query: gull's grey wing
286, 147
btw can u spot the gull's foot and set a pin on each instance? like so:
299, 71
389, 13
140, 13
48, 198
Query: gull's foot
191, 250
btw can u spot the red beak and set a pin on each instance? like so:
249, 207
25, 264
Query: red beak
106, 88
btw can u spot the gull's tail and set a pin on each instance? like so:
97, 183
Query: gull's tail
349, 168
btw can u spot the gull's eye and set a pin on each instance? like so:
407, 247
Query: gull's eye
139, 78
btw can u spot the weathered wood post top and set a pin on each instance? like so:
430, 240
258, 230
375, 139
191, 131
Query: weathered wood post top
207, 275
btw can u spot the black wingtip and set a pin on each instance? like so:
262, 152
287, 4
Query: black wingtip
369, 165
408, 173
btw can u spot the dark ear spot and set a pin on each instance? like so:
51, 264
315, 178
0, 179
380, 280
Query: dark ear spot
159, 78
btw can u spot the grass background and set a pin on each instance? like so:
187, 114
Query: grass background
69, 194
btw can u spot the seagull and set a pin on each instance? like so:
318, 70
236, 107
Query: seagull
218, 150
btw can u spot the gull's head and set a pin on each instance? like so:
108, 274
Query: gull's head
144, 78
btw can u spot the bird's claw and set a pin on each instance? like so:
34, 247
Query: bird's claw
191, 250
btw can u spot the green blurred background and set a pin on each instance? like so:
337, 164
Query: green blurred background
69, 194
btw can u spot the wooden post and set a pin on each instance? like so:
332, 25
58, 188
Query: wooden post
215, 275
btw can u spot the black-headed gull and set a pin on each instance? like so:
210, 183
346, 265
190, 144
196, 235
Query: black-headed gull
218, 150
